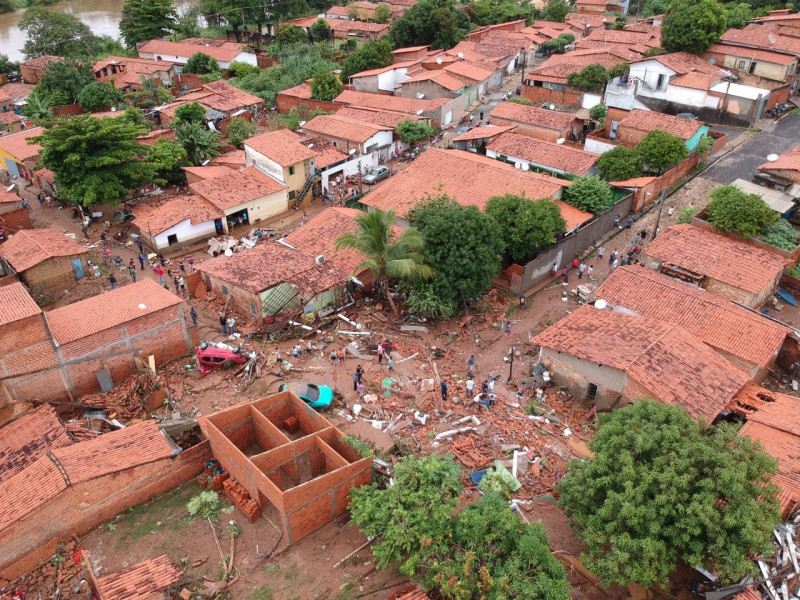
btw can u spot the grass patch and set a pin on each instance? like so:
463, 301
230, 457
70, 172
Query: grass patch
261, 593
169, 508
291, 572
271, 569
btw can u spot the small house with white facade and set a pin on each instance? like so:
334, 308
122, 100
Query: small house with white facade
223, 51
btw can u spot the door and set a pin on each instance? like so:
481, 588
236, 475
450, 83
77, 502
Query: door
448, 117
77, 268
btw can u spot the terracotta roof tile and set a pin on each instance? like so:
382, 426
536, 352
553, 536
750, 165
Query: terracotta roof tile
631, 38
719, 323
233, 159
636, 182
764, 406
226, 97
109, 309
393, 103
789, 161
29, 247
471, 179
217, 49
16, 144
386, 69
16, 304
783, 446
282, 146
559, 66
753, 54
357, 26
267, 265
695, 81
208, 172
302, 91
441, 77
531, 115
747, 594
384, 118
42, 61
342, 128
142, 581
318, 237
647, 120
665, 360
683, 63
116, 451
227, 191
326, 154
29, 438
157, 219
546, 154
29, 489
734, 263
475, 72
764, 36
409, 49
17, 90
483, 132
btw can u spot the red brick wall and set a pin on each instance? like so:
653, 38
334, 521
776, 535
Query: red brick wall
52, 276
286, 103
14, 220
540, 133
567, 97
80, 508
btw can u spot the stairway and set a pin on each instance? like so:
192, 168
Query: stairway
306, 188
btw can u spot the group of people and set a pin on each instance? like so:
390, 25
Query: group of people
337, 193
485, 398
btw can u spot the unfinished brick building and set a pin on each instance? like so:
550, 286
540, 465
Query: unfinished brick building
291, 460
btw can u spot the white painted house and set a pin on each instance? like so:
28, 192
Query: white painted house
222, 51
179, 221
386, 79
356, 138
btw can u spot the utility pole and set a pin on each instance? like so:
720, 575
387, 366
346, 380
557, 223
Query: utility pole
660, 208
522, 61
511, 366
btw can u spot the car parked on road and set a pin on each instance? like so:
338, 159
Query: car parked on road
376, 174
315, 396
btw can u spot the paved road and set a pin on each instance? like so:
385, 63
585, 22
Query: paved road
742, 163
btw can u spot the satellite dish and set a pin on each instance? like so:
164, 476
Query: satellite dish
113, 109
460, 55
772, 157
526, 167
560, 141
601, 305
351, 151
438, 61
228, 253
552, 107
142, 306
419, 112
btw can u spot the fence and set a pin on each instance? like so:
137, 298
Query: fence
305, 105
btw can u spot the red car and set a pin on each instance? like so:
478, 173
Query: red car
219, 355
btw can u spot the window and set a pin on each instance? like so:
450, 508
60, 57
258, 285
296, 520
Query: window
558, 87
791, 69
661, 79
742, 65
591, 392
172, 239
291, 170
224, 291
253, 310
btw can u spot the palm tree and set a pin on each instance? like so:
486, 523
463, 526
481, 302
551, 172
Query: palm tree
37, 109
200, 143
387, 256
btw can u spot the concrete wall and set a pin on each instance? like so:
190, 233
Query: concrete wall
184, 231
576, 374
429, 88
261, 208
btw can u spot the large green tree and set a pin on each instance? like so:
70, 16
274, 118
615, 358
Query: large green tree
200, 143
325, 85
620, 164
527, 225
382, 14
731, 209
62, 82
191, 112
201, 64
491, 12
388, 256
7, 65
95, 160
168, 159
289, 35
589, 193
320, 31
465, 264
663, 488
146, 20
437, 23
660, 149
56, 33
692, 25
98, 95
414, 131
369, 55
556, 10
239, 130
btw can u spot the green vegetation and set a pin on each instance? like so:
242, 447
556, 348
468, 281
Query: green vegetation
142, 520
704, 145
589, 193
7, 65
205, 505
556, 10
520, 100
201, 64
491, 12
144, 20
7, 6
98, 96
620, 164
734, 210
382, 13
240, 69
484, 551
62, 82
325, 85
37, 108
320, 31
200, 143
290, 35
593, 77
781, 234
168, 158
686, 215
239, 130
414, 131
437, 23
664, 488
692, 25
60, 34
526, 225
737, 14
598, 113
192, 112
369, 55
660, 149
654, 7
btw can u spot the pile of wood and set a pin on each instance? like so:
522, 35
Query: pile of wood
780, 576
126, 400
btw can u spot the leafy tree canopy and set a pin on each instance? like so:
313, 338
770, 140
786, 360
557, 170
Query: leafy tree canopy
692, 25
201, 64
56, 33
414, 131
168, 159
663, 488
491, 12
7, 65
654, 7
620, 164
95, 160
62, 82
382, 13
325, 85
37, 108
239, 130
200, 143
240, 69
781, 234
437, 23
589, 193
659, 149
7, 6
146, 20
737, 14
704, 145
192, 112
288, 35
526, 225
369, 55
591, 78
320, 31
556, 10
731, 209
98, 95
598, 112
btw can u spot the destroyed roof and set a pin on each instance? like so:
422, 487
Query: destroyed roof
719, 323
44, 479
142, 581
648, 120
267, 265
26, 440
29, 247
531, 115
325, 153
109, 309
770, 408
157, 219
16, 304
730, 261
281, 146
661, 360
483, 132
547, 154
471, 180
238, 187
16, 144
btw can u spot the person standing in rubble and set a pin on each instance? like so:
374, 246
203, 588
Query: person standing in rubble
444, 391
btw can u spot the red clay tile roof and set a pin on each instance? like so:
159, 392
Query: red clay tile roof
16, 304
267, 265
29, 489
299, 91
695, 81
9, 197
626, 37
724, 326
116, 451
109, 309
734, 263
16, 144
29, 247
281, 146
208, 172
753, 54
636, 182
415, 594
343, 128
769, 408
393, 103
326, 154
357, 26
559, 66
17, 90
385, 118
586, 20
747, 594
783, 446
217, 49
144, 66
683, 62
472, 71
441, 77
233, 159
226, 97
26, 440
664, 360
408, 49
531, 115
484, 132
157, 219
386, 69
648, 120
142, 581
761, 36
318, 237
237, 188
42, 61
471, 179
549, 155
789, 161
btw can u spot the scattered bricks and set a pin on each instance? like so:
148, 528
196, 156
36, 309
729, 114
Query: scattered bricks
251, 511
291, 425
218, 480
185, 594
202, 480
241, 499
